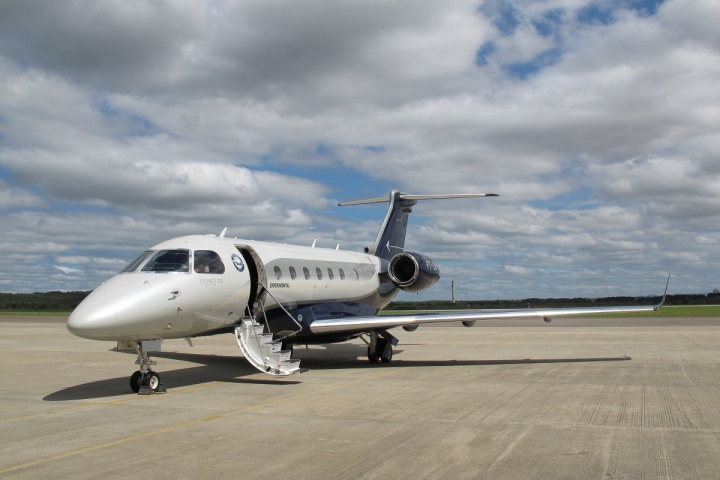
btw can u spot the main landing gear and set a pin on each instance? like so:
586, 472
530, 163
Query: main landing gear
145, 381
380, 347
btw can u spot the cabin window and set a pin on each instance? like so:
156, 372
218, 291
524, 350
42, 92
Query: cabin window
138, 261
357, 275
293, 273
207, 261
318, 272
278, 272
168, 261
331, 275
342, 274
306, 272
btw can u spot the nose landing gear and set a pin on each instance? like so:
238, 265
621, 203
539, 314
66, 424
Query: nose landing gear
145, 381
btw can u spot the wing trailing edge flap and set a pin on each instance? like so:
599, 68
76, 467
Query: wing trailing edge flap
348, 324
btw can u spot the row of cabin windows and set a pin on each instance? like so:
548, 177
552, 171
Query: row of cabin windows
318, 273
207, 261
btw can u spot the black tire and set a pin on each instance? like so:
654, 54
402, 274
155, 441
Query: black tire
135, 379
387, 354
152, 380
372, 358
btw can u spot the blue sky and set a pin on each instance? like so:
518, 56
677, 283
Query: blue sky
123, 124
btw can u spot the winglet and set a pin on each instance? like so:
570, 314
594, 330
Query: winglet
662, 302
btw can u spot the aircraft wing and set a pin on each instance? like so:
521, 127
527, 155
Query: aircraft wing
350, 324
347, 324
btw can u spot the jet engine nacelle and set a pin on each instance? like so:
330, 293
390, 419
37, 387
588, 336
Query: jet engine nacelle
413, 272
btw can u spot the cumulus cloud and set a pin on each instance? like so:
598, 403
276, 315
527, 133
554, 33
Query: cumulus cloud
67, 270
13, 197
125, 123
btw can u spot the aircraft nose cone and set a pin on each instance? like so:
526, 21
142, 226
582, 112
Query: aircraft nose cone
92, 320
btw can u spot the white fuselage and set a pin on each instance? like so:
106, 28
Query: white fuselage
157, 298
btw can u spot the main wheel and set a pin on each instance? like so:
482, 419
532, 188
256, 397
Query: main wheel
386, 356
135, 380
152, 380
373, 358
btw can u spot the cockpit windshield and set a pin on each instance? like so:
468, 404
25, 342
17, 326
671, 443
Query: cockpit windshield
137, 262
168, 261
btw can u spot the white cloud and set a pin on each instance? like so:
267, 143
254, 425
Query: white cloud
74, 260
68, 270
125, 123
14, 197
523, 46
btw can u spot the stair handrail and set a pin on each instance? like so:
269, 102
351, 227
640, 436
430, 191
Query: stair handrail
267, 322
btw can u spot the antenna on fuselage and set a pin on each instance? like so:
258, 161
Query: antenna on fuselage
222, 234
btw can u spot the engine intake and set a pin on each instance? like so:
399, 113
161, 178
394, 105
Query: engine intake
413, 272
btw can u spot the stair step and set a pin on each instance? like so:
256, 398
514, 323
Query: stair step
266, 339
263, 352
279, 357
269, 348
291, 365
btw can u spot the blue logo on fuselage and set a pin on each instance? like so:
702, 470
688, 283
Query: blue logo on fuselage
237, 261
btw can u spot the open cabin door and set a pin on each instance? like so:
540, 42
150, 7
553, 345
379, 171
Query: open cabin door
256, 268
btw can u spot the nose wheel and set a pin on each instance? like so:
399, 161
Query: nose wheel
145, 381
150, 380
135, 381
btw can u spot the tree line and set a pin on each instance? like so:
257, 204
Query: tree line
41, 302
679, 299
67, 301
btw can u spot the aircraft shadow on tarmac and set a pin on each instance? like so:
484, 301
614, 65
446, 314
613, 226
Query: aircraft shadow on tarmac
214, 368
233, 369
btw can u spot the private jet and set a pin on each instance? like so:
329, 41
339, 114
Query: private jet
272, 296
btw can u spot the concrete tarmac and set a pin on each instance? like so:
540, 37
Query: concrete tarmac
600, 399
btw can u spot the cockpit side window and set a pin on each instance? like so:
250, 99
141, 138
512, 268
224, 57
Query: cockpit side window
138, 261
207, 261
168, 261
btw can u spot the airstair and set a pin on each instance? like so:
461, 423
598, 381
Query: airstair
261, 350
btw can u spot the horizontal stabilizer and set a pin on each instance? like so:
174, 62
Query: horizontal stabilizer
406, 196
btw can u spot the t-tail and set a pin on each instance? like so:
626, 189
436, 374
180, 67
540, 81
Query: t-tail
391, 237
408, 271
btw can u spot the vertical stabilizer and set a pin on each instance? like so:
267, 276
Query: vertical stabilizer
391, 237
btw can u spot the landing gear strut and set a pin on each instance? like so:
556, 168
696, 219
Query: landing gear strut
380, 347
145, 381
